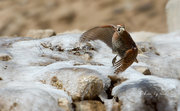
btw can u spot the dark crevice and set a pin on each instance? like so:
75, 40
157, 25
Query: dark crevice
114, 82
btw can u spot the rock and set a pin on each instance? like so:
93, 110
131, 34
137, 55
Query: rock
142, 69
149, 95
173, 15
161, 55
89, 80
5, 57
116, 106
147, 47
143, 36
28, 96
89, 105
88, 46
80, 83
41, 33
116, 80
55, 82
178, 108
89, 86
87, 56
112, 104
65, 104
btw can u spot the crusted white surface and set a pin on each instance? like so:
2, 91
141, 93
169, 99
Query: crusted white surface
31, 62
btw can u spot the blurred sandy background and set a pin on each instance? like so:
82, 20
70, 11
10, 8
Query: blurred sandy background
19, 16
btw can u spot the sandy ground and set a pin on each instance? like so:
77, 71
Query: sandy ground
19, 16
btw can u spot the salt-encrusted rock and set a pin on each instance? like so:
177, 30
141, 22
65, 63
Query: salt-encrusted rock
116, 106
161, 55
41, 33
147, 94
173, 15
65, 104
64, 69
143, 36
147, 47
178, 108
87, 56
28, 96
80, 83
142, 69
112, 104
5, 57
89, 105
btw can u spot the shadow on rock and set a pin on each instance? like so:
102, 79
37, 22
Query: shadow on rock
153, 98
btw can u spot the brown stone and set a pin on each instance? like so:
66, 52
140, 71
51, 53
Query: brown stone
87, 56
116, 80
57, 83
116, 106
64, 104
79, 83
90, 86
144, 70
5, 57
41, 33
89, 105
